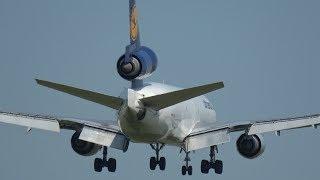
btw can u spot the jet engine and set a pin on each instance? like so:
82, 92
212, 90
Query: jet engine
140, 65
250, 146
83, 148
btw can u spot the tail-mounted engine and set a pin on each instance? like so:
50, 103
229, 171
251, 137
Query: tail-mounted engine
140, 65
83, 148
250, 146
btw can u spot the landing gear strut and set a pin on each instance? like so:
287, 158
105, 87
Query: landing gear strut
111, 164
217, 165
154, 161
187, 168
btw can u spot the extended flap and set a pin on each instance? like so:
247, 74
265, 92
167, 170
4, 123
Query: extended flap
203, 140
104, 138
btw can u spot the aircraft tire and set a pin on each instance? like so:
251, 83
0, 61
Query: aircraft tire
153, 163
112, 165
218, 167
183, 170
189, 170
162, 163
98, 164
205, 166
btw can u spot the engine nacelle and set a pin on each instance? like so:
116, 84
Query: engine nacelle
141, 65
83, 148
250, 146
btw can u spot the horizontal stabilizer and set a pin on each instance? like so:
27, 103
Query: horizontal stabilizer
110, 101
162, 101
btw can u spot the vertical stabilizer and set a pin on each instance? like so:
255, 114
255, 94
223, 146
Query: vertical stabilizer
134, 26
134, 37
138, 62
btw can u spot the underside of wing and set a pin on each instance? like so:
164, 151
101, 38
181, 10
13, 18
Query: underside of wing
31, 121
213, 134
107, 134
278, 125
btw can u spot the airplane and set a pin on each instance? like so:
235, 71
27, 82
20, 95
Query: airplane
155, 114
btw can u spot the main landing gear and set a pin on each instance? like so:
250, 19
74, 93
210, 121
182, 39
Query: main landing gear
217, 165
187, 168
154, 161
111, 164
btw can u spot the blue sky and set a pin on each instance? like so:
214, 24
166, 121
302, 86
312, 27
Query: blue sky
266, 52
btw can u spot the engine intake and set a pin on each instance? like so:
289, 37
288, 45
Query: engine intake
83, 148
142, 64
250, 146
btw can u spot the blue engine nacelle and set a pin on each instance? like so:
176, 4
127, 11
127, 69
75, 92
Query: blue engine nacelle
142, 64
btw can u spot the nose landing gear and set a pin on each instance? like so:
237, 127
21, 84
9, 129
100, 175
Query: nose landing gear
154, 161
99, 163
187, 168
217, 165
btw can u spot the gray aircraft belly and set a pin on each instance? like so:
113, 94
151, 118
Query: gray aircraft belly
170, 125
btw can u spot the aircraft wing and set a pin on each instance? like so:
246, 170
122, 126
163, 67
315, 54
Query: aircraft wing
108, 134
209, 135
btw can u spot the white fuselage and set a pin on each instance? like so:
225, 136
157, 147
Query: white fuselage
170, 125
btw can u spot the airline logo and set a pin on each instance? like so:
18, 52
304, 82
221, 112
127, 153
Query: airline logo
134, 23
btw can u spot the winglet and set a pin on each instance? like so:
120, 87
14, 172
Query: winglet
162, 101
